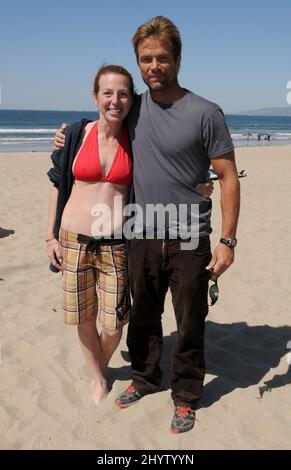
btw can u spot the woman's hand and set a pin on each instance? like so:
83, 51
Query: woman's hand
206, 189
60, 136
54, 253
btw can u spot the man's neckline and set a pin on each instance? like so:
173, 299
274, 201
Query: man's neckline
170, 103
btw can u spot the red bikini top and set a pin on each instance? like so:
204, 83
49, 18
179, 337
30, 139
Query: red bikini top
87, 165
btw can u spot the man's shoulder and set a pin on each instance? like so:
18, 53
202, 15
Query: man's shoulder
205, 106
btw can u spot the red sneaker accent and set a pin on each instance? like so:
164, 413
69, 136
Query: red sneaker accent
183, 419
128, 397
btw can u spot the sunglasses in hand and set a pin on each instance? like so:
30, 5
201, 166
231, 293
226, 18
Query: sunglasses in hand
213, 293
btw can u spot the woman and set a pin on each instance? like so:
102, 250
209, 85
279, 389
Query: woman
90, 173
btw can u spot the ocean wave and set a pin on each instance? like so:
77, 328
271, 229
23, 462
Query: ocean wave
283, 135
253, 136
4, 130
24, 139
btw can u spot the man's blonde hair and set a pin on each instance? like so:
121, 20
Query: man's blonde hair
161, 28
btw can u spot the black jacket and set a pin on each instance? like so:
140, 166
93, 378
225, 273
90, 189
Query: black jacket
61, 174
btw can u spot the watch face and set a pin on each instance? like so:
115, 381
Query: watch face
231, 242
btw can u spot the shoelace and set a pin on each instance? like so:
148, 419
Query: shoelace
182, 411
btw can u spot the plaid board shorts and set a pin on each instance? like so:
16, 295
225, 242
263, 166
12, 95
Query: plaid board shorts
94, 283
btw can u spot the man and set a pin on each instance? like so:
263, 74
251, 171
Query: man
174, 134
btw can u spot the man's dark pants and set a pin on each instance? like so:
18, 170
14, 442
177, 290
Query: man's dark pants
155, 265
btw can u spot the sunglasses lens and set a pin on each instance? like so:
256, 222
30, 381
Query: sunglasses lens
213, 293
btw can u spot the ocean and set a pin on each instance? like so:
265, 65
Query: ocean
34, 130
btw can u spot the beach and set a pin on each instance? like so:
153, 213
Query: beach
44, 384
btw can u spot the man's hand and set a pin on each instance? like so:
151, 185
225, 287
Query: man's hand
206, 189
60, 136
222, 259
225, 168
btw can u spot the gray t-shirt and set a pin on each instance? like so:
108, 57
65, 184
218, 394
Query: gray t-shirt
172, 147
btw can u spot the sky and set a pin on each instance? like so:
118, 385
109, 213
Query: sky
234, 53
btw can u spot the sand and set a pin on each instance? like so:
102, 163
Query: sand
44, 384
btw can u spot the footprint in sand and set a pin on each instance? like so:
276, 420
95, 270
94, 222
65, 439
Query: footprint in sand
52, 441
91, 432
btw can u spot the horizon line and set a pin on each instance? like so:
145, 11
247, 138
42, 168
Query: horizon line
227, 113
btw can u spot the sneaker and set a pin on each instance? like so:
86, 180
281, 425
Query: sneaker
128, 397
183, 419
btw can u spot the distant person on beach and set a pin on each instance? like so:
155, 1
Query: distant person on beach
175, 134
259, 137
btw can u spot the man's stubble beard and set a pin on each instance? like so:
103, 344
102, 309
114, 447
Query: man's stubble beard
161, 86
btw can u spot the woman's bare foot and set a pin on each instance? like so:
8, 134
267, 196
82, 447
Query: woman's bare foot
98, 392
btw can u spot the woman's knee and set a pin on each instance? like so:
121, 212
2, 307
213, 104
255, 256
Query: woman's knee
87, 324
113, 333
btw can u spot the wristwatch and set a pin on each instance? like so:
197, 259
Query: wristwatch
230, 242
